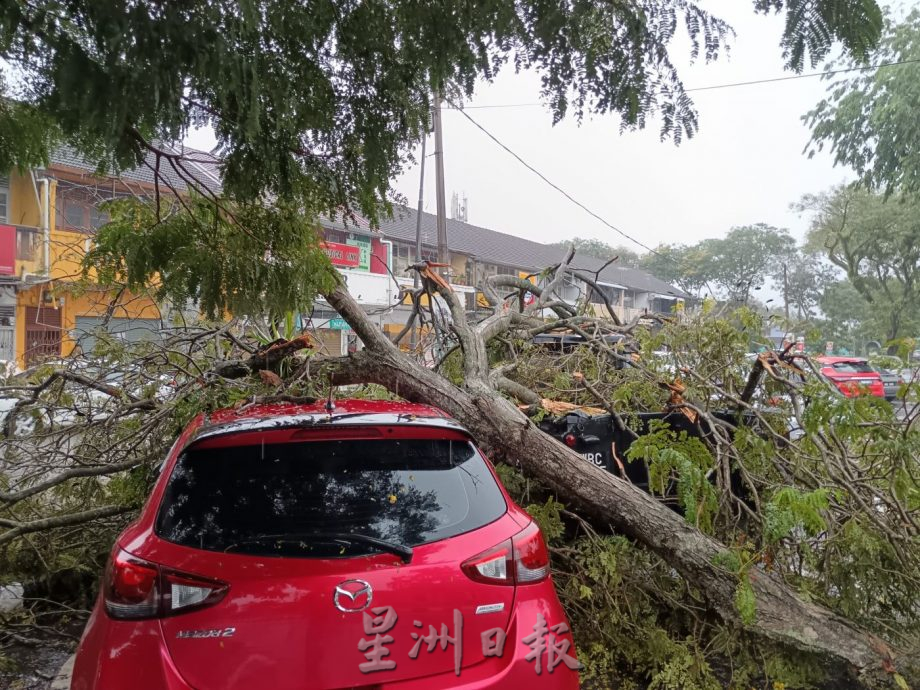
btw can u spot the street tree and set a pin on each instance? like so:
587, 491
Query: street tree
877, 243
680, 265
585, 246
869, 121
849, 318
741, 262
803, 278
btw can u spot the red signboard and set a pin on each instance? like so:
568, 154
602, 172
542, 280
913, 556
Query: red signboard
342, 254
7, 250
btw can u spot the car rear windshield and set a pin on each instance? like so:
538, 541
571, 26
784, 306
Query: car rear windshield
853, 368
280, 499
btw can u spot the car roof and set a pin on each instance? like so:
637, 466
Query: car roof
824, 359
346, 412
345, 406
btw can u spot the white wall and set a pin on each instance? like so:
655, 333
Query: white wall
371, 289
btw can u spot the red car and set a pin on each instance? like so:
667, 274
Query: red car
291, 547
852, 375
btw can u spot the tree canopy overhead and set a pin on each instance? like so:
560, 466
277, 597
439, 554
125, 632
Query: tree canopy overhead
319, 101
869, 121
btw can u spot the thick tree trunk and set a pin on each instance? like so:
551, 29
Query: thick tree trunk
500, 427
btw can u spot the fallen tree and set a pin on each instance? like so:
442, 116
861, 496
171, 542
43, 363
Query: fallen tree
780, 615
81, 443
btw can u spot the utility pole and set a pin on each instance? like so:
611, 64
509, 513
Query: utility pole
413, 339
443, 255
418, 215
786, 290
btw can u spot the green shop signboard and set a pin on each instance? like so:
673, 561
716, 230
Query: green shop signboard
364, 246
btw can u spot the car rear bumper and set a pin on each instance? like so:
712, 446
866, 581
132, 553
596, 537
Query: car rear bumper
114, 655
135, 655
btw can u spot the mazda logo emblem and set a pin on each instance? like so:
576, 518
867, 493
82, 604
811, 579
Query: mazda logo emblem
352, 596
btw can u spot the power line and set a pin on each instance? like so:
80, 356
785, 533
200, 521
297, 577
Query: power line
594, 215
731, 85
563, 192
810, 75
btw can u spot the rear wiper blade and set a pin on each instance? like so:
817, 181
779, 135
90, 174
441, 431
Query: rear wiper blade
326, 419
401, 550
404, 552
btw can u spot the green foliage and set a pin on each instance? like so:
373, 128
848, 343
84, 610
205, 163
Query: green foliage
678, 457
548, 516
680, 265
877, 106
850, 320
826, 515
452, 368
877, 243
741, 262
810, 25
26, 134
805, 283
266, 261
790, 508
318, 102
745, 601
635, 622
600, 250
738, 264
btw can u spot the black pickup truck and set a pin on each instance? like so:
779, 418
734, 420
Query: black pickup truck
597, 437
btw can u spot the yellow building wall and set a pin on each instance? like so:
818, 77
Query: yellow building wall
66, 251
95, 303
25, 210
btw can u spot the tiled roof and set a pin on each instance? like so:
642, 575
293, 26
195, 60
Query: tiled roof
202, 166
516, 252
481, 243
349, 224
636, 279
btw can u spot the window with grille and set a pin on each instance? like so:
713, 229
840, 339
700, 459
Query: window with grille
27, 244
78, 208
404, 256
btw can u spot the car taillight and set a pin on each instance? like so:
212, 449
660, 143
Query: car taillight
531, 557
520, 560
130, 587
134, 588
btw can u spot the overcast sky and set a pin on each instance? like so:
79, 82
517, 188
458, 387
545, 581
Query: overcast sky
744, 166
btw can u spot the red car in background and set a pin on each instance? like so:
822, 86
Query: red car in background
293, 548
852, 375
